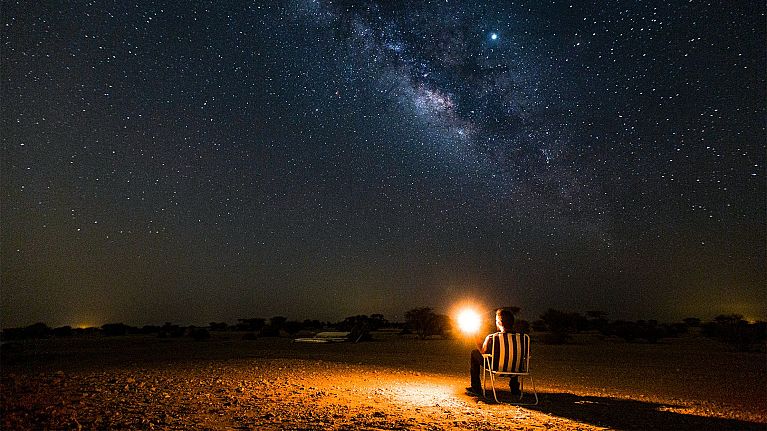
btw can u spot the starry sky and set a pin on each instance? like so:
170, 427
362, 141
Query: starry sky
208, 161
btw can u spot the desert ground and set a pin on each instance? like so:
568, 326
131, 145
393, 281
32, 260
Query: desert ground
390, 383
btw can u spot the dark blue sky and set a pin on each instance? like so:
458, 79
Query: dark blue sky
182, 162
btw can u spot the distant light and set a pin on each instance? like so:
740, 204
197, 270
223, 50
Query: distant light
493, 36
469, 321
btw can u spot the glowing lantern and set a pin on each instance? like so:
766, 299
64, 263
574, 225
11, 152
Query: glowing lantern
469, 321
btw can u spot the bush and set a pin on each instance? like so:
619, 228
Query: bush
216, 326
292, 326
269, 331
199, 334
150, 329
37, 330
561, 324
63, 331
629, 331
425, 322
521, 326
174, 331
735, 331
252, 324
114, 329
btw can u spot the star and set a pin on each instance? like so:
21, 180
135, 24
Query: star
494, 36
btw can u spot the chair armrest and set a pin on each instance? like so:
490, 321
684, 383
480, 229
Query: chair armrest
488, 360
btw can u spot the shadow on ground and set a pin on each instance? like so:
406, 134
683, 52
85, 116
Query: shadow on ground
630, 414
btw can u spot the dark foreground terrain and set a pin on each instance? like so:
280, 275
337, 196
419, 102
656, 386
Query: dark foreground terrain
145, 382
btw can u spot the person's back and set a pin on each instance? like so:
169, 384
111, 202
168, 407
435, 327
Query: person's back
504, 322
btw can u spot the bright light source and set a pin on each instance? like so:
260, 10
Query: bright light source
469, 321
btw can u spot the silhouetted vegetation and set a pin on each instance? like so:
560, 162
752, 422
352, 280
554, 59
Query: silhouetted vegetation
558, 327
63, 331
313, 325
649, 330
424, 322
170, 330
732, 329
218, 326
597, 320
37, 330
253, 324
692, 322
114, 329
276, 324
199, 334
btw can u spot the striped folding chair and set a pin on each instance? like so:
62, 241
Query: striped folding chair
509, 356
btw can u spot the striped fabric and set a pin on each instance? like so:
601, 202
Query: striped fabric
509, 351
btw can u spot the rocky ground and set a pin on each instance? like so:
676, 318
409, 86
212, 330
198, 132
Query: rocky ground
273, 384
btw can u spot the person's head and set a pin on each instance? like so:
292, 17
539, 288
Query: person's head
504, 320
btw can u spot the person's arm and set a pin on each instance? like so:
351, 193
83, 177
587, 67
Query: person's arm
483, 348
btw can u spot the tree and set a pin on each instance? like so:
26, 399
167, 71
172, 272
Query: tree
169, 329
377, 321
218, 326
37, 330
733, 330
513, 309
198, 334
113, 329
277, 322
597, 320
63, 331
692, 322
252, 324
422, 321
292, 326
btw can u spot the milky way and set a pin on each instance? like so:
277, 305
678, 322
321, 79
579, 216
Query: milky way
317, 159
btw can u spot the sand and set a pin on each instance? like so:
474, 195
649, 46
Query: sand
145, 382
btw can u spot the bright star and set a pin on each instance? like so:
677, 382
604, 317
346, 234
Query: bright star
494, 36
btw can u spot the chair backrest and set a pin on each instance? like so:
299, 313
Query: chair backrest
511, 352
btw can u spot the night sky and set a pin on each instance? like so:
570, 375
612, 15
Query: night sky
208, 161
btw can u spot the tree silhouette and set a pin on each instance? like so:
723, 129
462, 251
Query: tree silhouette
425, 322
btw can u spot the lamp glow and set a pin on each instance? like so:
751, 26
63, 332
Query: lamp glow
469, 321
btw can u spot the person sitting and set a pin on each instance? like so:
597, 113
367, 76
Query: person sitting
504, 321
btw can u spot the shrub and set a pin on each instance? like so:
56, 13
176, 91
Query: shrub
735, 331
199, 334
425, 322
521, 326
560, 325
171, 330
63, 331
37, 330
252, 324
114, 329
269, 331
216, 326
629, 331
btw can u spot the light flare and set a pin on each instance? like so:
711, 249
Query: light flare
469, 321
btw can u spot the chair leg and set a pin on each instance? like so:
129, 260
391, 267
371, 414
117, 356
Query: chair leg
521, 388
535, 393
484, 380
492, 383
